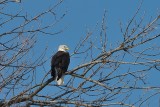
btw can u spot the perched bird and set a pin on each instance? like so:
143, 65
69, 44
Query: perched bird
17, 1
59, 64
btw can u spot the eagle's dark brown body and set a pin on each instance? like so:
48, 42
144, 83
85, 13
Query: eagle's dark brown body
59, 64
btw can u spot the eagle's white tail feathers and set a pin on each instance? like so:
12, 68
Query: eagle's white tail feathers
61, 81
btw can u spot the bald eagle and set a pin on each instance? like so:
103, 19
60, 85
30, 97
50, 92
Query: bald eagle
59, 64
17, 1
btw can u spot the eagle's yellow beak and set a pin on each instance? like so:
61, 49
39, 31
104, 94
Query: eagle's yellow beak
66, 48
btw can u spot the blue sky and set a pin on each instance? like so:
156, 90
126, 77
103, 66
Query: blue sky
83, 16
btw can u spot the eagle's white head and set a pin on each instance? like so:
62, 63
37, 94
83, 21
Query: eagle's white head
63, 48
